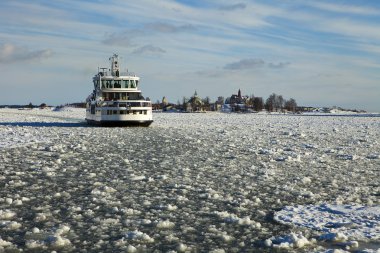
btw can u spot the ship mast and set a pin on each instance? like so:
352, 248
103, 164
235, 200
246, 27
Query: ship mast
115, 70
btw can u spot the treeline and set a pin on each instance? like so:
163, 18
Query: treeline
277, 103
234, 103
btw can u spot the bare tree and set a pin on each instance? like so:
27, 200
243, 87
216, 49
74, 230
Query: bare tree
220, 100
270, 103
258, 104
280, 103
206, 100
206, 103
291, 105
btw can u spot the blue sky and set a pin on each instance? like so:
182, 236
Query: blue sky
321, 53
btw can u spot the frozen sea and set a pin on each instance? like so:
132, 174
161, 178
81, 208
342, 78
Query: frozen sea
207, 182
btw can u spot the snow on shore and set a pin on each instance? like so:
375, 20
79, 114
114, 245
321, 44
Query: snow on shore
189, 183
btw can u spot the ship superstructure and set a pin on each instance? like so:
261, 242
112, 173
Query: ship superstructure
116, 99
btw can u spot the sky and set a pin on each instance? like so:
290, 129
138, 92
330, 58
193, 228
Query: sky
321, 53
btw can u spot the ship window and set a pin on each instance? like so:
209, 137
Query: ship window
134, 112
137, 82
117, 84
114, 112
124, 96
103, 84
132, 82
133, 96
109, 84
127, 112
145, 112
126, 83
111, 96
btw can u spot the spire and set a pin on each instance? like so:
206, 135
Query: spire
239, 94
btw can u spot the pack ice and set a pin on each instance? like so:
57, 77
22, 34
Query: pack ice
202, 182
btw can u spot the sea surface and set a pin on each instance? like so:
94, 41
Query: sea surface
202, 182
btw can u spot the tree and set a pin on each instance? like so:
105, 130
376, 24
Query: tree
275, 103
291, 105
270, 103
280, 103
206, 101
220, 100
258, 104
184, 103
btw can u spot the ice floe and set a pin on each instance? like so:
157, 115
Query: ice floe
336, 222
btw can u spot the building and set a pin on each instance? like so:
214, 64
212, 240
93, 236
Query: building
194, 104
237, 102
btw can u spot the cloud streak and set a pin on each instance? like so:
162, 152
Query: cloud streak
279, 65
10, 53
245, 64
169, 28
128, 38
253, 63
149, 49
120, 39
343, 8
233, 7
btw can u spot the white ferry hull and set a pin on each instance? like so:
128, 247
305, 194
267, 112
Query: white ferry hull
119, 123
120, 119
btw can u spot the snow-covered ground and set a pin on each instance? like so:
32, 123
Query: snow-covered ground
208, 182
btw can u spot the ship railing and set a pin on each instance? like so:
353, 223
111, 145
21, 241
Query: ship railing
121, 73
142, 103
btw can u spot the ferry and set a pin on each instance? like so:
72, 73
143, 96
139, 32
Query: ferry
116, 99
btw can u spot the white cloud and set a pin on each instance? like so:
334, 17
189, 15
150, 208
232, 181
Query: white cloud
245, 64
343, 8
169, 28
233, 7
278, 65
252, 63
351, 28
149, 49
10, 53
120, 39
